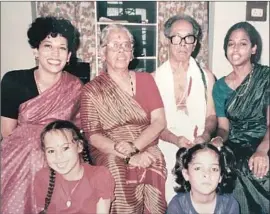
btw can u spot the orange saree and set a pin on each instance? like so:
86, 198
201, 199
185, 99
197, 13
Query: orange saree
107, 110
21, 156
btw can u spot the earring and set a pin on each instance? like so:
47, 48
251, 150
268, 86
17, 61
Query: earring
36, 60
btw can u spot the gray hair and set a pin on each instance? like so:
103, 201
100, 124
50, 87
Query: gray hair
196, 27
106, 31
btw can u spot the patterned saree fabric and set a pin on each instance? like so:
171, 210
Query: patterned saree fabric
246, 110
21, 155
116, 115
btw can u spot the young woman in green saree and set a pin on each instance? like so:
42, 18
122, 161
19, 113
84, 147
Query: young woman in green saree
242, 106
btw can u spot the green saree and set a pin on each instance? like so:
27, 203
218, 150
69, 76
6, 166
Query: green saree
246, 109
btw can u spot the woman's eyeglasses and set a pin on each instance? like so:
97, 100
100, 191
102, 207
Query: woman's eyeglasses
176, 39
115, 46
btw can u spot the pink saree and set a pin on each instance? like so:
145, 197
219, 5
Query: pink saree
107, 110
21, 156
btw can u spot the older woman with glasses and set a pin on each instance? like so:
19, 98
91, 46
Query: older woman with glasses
122, 116
186, 90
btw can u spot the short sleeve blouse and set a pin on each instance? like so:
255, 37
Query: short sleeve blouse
16, 88
221, 91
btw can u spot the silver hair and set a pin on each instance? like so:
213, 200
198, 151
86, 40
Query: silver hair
196, 27
106, 31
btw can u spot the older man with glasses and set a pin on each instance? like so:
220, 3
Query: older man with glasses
186, 90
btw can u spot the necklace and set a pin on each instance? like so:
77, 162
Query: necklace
37, 83
246, 84
69, 202
131, 84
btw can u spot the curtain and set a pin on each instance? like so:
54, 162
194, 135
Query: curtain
197, 10
82, 16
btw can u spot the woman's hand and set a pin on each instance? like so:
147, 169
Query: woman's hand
259, 164
184, 142
124, 148
103, 206
201, 139
217, 141
7, 126
144, 159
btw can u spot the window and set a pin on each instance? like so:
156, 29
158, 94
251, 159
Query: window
141, 19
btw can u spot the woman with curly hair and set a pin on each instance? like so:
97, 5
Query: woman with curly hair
31, 99
206, 176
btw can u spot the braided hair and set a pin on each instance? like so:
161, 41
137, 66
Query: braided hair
226, 162
78, 136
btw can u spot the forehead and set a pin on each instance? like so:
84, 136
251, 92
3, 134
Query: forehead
239, 33
58, 39
57, 138
206, 156
118, 34
182, 26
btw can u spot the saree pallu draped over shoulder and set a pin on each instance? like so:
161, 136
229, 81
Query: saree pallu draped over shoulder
121, 118
246, 110
21, 155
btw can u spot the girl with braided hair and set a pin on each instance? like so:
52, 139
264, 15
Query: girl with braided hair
205, 174
74, 186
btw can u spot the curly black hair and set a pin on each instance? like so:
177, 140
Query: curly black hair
78, 136
253, 35
53, 26
226, 161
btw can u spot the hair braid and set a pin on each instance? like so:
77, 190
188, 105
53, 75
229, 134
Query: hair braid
49, 192
86, 153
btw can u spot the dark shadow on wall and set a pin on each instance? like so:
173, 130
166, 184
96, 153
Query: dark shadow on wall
79, 69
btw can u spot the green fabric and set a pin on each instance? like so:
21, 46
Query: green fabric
247, 113
221, 91
246, 109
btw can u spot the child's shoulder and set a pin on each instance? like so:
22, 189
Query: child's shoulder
227, 198
96, 171
43, 172
42, 176
227, 203
181, 198
179, 204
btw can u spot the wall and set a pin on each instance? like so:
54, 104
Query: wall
222, 16
15, 51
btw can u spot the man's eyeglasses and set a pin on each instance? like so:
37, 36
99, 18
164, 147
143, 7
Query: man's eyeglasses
176, 39
114, 46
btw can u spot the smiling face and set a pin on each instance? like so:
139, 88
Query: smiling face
62, 153
239, 48
182, 52
117, 60
52, 54
203, 172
